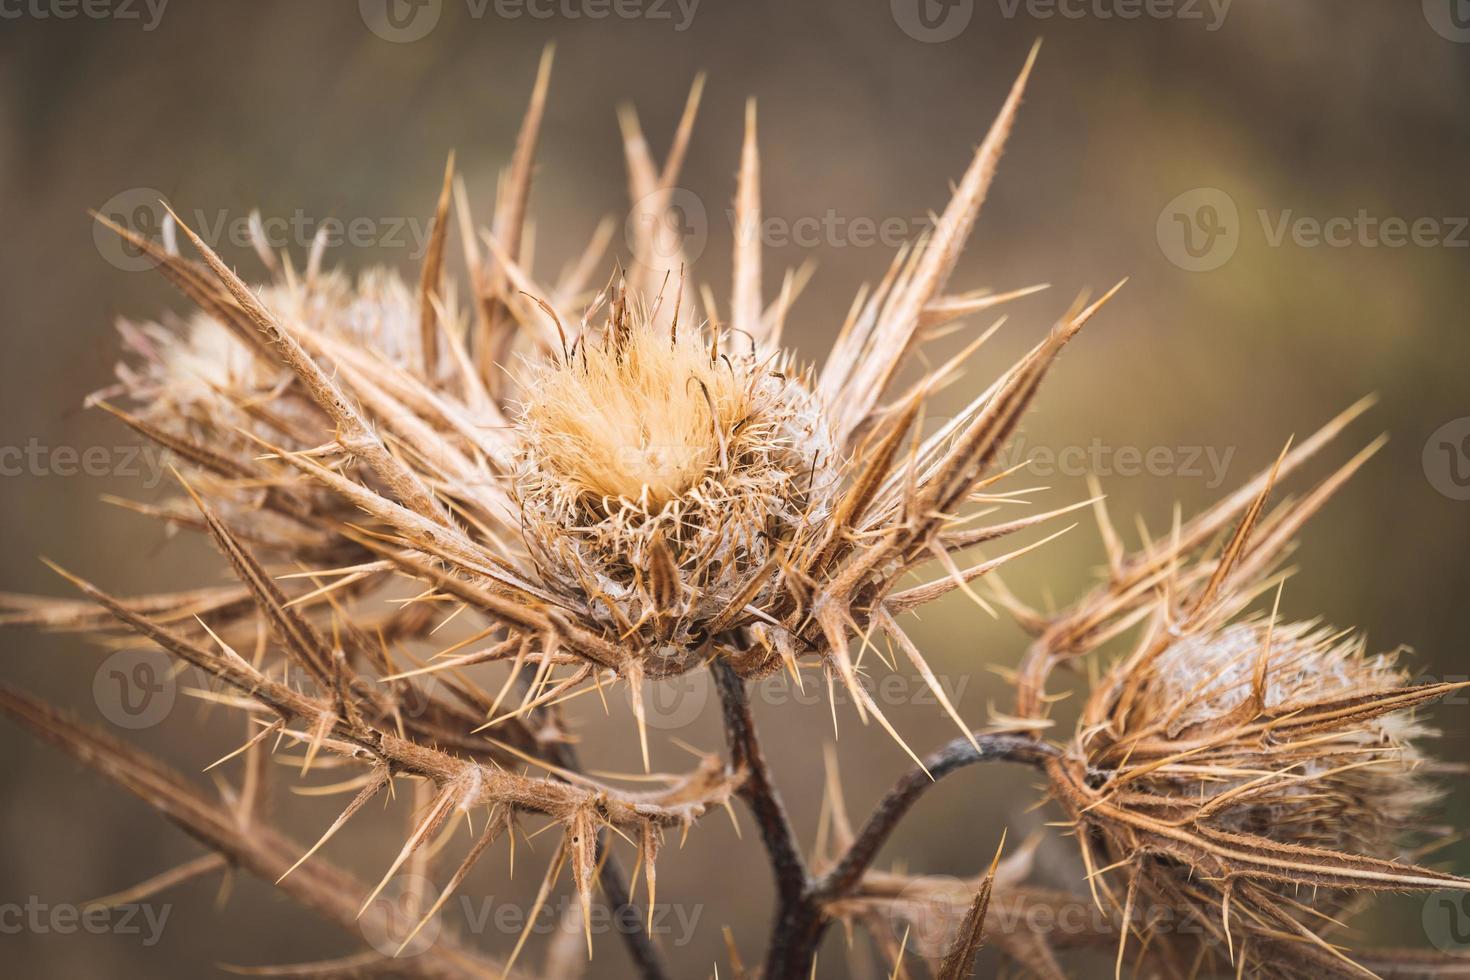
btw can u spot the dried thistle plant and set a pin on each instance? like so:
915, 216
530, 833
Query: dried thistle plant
627, 483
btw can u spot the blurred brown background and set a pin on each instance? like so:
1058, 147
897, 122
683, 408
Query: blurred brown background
1303, 110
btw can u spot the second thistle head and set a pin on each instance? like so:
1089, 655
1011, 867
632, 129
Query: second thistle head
1227, 774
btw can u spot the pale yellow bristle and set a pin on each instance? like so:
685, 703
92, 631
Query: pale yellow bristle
643, 419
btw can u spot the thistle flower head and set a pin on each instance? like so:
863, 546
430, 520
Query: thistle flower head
661, 474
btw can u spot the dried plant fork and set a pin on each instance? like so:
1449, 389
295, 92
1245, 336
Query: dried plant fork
620, 485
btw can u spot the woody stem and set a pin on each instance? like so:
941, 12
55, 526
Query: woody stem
799, 920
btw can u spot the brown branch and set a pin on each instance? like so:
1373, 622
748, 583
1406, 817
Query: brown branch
264, 852
798, 918
758, 790
355, 738
957, 754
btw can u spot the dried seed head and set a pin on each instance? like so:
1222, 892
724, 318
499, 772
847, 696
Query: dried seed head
660, 474
1352, 789
377, 309
206, 373
212, 384
1229, 769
